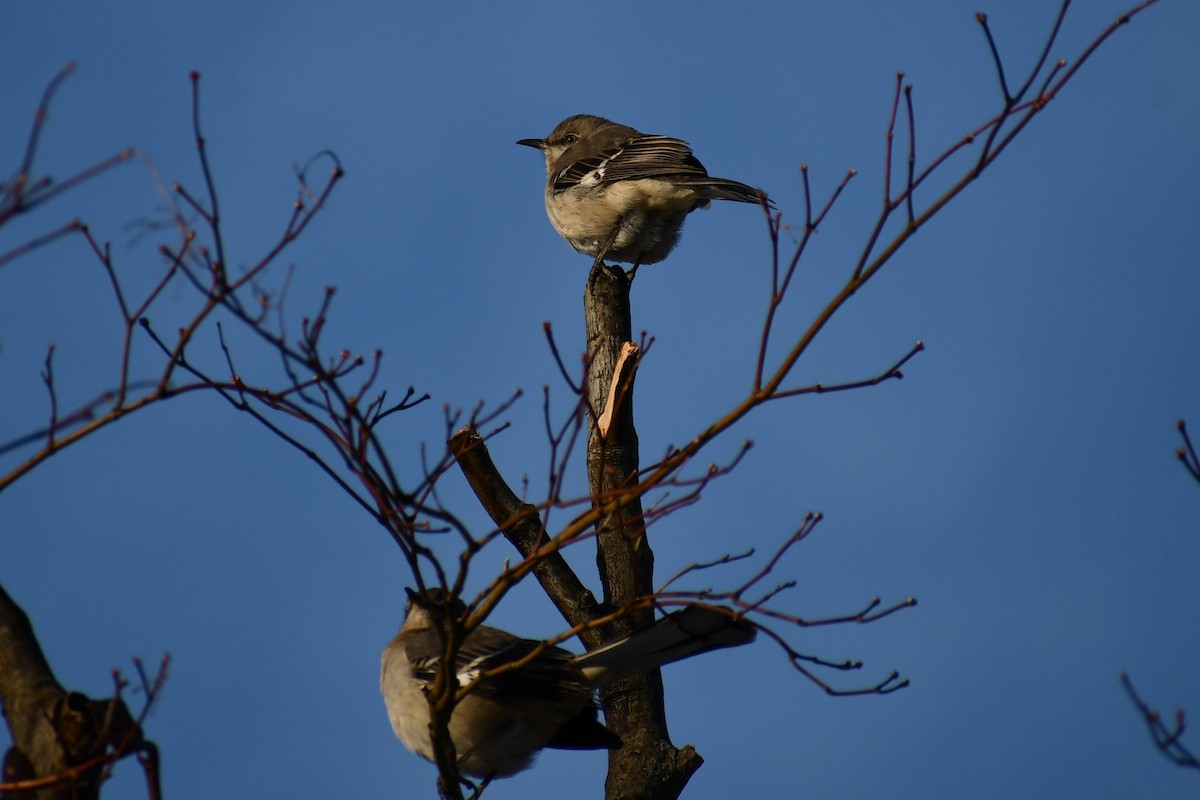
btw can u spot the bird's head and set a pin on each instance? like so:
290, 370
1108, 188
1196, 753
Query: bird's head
430, 607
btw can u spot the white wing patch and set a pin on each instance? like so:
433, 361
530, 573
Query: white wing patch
469, 672
593, 178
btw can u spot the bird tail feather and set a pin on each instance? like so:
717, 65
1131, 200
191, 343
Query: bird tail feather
695, 629
726, 189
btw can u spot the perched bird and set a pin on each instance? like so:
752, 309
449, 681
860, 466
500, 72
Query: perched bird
613, 192
507, 718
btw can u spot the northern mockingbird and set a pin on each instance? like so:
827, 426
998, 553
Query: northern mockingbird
507, 718
614, 192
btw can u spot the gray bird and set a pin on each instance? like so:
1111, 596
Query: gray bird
614, 192
504, 721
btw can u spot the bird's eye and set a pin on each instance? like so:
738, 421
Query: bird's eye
570, 138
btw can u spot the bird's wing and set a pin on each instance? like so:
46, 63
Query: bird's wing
549, 676
632, 159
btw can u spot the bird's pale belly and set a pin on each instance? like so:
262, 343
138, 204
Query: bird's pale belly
647, 227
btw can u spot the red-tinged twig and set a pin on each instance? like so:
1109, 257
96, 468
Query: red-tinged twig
410, 400
1187, 453
800, 661
987, 31
213, 217
873, 611
293, 229
40, 241
77, 771
86, 174
890, 142
130, 318
238, 395
912, 152
48, 379
562, 368
892, 372
698, 566
1045, 54
893, 682
82, 414
757, 610
811, 520
45, 190
366, 385
697, 484
1167, 740
779, 288
40, 116
1050, 75
563, 441
192, 202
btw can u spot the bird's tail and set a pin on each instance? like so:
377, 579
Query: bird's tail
695, 629
726, 189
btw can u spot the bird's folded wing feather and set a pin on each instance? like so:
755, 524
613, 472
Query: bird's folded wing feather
634, 159
549, 676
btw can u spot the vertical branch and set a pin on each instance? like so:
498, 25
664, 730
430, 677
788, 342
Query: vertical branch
648, 765
624, 559
214, 213
912, 153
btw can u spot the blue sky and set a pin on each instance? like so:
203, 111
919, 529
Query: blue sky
1019, 481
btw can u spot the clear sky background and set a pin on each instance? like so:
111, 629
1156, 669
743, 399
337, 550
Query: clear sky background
1019, 481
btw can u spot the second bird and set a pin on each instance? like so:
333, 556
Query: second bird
614, 192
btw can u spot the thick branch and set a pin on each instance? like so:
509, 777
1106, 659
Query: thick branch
52, 729
522, 527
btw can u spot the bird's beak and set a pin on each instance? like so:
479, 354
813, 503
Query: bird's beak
540, 144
